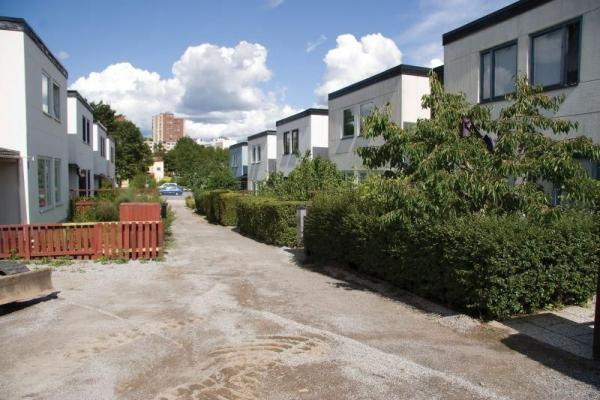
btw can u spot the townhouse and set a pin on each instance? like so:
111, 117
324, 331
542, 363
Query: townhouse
299, 134
34, 148
262, 157
104, 157
553, 42
402, 87
81, 154
238, 163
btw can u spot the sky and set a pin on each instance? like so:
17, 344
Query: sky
233, 68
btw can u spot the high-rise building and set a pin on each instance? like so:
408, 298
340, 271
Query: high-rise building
167, 129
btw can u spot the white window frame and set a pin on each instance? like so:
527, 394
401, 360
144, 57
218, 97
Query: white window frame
46, 102
47, 183
343, 135
56, 113
57, 181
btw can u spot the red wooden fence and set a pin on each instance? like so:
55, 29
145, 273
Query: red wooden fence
83, 240
139, 212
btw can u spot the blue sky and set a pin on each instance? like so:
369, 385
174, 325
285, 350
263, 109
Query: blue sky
295, 52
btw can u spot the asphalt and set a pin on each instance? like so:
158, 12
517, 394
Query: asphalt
226, 317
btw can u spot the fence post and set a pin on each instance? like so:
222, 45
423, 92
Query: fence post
27, 237
596, 343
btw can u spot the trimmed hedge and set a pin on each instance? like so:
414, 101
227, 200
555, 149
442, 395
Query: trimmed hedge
199, 201
490, 266
211, 205
227, 205
267, 219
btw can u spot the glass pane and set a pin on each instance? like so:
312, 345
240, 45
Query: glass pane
572, 54
295, 141
547, 50
45, 98
57, 177
348, 123
505, 70
486, 78
56, 100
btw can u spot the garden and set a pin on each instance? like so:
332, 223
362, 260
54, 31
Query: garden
493, 215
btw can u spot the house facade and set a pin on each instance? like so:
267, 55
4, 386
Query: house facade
238, 163
301, 133
104, 156
262, 157
555, 43
402, 87
34, 149
80, 122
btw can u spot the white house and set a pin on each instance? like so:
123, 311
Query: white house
81, 153
556, 43
34, 147
238, 163
103, 147
301, 133
402, 87
157, 170
262, 157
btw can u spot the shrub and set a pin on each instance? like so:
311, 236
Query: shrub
488, 266
227, 205
106, 211
199, 200
269, 220
190, 202
211, 205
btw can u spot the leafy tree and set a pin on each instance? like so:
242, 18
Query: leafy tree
106, 115
192, 163
443, 167
309, 177
132, 155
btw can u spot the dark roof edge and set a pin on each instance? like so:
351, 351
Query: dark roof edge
101, 125
20, 25
238, 144
501, 15
302, 114
261, 134
75, 93
402, 69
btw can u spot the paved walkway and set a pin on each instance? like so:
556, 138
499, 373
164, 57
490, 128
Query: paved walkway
226, 317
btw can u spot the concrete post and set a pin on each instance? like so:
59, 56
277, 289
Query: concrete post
300, 214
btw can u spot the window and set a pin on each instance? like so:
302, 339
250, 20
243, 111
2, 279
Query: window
87, 131
498, 71
348, 129
45, 94
57, 180
102, 146
555, 56
286, 143
253, 154
258, 153
295, 144
365, 110
44, 194
85, 128
56, 100
409, 125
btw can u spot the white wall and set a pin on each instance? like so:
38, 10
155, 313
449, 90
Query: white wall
582, 102
100, 162
312, 132
80, 153
342, 150
259, 170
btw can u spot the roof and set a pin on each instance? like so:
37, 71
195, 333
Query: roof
402, 69
261, 134
100, 125
20, 25
501, 15
7, 153
76, 94
239, 144
305, 113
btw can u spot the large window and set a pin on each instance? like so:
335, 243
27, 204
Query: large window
295, 142
45, 93
85, 129
56, 100
555, 56
253, 154
258, 153
348, 129
498, 71
365, 110
102, 146
57, 181
44, 193
286, 143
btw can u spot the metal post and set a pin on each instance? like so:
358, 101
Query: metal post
596, 345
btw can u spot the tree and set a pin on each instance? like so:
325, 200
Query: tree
106, 115
132, 155
443, 163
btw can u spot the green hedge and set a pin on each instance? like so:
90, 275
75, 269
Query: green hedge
268, 220
227, 205
211, 205
199, 201
489, 266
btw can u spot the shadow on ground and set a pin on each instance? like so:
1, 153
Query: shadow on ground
576, 366
18, 306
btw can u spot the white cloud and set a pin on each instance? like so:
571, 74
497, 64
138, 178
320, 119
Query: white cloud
63, 55
274, 3
352, 60
435, 62
311, 46
216, 89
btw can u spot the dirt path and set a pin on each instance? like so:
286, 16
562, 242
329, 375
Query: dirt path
226, 317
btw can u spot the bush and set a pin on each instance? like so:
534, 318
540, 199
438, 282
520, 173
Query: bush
199, 201
488, 266
269, 220
211, 205
190, 202
227, 205
106, 211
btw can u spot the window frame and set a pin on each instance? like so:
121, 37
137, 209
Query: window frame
57, 181
295, 143
47, 86
344, 135
48, 184
560, 26
286, 143
259, 153
56, 113
492, 51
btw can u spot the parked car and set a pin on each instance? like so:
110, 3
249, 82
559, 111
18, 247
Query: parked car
170, 189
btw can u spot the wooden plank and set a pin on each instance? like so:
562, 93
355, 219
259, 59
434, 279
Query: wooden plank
153, 233
147, 239
127, 232
160, 238
27, 237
